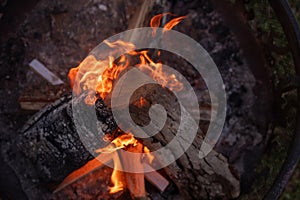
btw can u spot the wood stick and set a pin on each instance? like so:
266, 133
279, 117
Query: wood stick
139, 18
155, 178
135, 181
44, 72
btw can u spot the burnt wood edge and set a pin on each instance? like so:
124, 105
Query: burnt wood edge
292, 32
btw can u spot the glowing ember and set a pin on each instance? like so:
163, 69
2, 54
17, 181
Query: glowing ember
141, 102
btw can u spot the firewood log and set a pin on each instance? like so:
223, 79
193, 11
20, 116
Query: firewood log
208, 177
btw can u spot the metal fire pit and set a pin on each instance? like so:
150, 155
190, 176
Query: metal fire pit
287, 21
241, 17
292, 32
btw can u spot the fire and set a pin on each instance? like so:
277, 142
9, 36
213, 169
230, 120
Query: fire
125, 141
117, 177
155, 22
98, 76
118, 184
173, 23
119, 142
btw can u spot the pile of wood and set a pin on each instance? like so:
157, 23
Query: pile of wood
50, 143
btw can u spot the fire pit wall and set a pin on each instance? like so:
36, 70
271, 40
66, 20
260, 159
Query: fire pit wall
48, 147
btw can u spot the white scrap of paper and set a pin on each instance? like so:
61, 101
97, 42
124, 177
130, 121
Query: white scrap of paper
44, 72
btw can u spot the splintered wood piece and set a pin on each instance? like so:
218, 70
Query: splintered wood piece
157, 180
44, 72
30, 105
35, 97
139, 18
135, 181
89, 167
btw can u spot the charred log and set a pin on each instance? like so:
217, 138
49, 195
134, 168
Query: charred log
51, 142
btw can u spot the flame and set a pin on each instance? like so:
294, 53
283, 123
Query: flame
173, 23
157, 73
121, 142
117, 181
155, 22
86, 77
117, 178
125, 140
97, 76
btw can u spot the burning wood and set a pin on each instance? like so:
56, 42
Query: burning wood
55, 149
98, 76
133, 181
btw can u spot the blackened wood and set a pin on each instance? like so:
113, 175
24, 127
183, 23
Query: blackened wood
51, 142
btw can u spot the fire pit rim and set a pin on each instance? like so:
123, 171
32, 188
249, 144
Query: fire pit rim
292, 32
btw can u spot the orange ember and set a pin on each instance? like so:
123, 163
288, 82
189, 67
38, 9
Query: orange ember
141, 102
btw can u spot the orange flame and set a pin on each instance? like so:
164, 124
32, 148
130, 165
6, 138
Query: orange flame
173, 23
97, 76
157, 73
118, 183
148, 154
117, 178
122, 142
155, 22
